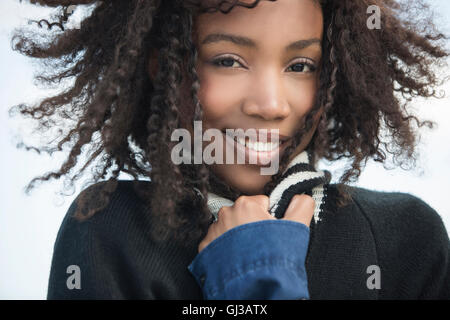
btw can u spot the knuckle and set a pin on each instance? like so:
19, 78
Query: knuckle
263, 197
221, 212
263, 200
304, 199
241, 200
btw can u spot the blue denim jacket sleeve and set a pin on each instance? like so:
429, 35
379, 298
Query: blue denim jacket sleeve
260, 260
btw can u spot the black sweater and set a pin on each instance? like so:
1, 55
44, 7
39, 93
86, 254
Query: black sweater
397, 232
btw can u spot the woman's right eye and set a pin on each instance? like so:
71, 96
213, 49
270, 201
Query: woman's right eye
225, 62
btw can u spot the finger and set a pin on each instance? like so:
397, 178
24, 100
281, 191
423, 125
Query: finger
221, 213
300, 209
262, 200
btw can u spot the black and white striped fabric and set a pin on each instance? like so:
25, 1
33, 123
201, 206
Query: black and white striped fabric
298, 178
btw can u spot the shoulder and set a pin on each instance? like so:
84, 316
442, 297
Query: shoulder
106, 214
394, 210
411, 241
105, 203
118, 191
102, 205
99, 246
400, 223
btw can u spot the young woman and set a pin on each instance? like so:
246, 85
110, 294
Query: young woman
328, 75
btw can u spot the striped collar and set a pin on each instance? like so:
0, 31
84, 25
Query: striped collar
300, 177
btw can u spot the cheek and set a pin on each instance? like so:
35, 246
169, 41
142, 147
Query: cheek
302, 97
219, 96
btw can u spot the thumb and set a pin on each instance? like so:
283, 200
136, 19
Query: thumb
300, 209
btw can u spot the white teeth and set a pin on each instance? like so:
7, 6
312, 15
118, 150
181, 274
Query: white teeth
258, 145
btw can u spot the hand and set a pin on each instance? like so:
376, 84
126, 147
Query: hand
247, 209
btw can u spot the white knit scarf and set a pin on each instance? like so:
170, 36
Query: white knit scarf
299, 177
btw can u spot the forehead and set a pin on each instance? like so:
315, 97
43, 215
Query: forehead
279, 21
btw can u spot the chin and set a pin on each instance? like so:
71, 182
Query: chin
245, 178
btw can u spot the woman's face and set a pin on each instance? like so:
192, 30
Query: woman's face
258, 70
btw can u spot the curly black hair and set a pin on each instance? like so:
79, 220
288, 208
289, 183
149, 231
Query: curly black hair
367, 79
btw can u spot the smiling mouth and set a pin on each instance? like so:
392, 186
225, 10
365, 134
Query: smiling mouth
263, 145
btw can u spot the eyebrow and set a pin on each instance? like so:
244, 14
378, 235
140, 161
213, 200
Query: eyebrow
247, 42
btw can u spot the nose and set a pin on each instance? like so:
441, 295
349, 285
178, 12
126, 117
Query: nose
266, 98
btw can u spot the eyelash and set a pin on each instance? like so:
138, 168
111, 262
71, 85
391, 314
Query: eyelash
216, 62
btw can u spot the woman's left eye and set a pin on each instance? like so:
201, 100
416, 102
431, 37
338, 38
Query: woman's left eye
304, 67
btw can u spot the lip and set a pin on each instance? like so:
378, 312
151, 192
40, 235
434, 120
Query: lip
263, 158
269, 136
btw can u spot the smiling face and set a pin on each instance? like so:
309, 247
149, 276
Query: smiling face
258, 69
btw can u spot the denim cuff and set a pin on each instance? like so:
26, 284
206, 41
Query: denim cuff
258, 260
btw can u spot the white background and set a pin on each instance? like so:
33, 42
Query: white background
29, 224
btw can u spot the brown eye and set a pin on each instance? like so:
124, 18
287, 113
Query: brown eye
226, 62
303, 67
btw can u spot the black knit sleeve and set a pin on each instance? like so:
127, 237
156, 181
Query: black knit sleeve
83, 264
412, 245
